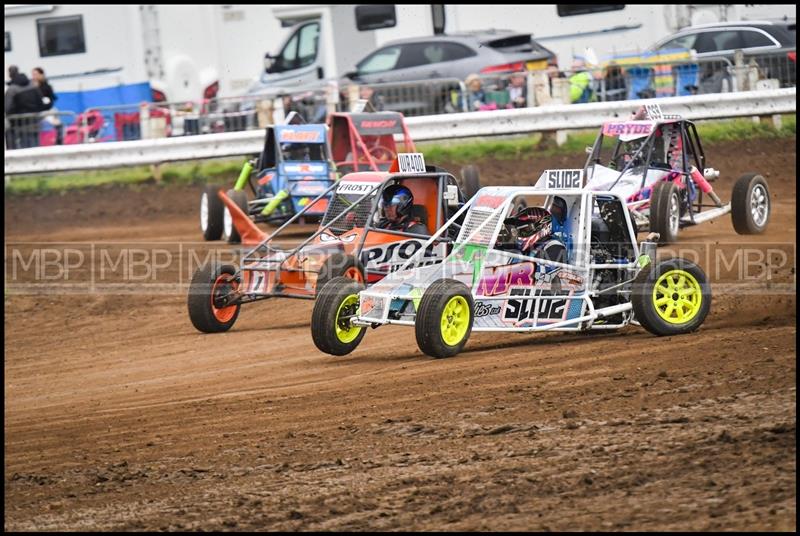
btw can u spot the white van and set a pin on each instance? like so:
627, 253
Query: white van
325, 41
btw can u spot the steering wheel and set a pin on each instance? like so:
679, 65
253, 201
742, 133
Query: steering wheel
380, 153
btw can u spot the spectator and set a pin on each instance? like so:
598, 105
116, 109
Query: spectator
49, 99
476, 97
553, 72
22, 97
374, 100
554, 93
313, 106
616, 87
517, 90
38, 78
580, 82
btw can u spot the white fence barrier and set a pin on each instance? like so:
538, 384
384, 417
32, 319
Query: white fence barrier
427, 128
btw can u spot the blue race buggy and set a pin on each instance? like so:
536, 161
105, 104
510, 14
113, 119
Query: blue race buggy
293, 168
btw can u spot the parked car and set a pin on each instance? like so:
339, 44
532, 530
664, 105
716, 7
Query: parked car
453, 57
772, 44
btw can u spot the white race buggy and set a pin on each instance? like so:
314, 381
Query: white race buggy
655, 164
606, 281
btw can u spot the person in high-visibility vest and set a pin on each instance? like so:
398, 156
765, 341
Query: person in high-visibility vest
580, 83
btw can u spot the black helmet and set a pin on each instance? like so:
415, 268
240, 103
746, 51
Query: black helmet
532, 224
397, 196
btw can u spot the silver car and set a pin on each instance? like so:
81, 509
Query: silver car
401, 63
772, 44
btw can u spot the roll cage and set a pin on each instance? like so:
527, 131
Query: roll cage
387, 301
266, 257
472, 232
653, 153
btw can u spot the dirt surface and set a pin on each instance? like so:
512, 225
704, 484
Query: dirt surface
120, 416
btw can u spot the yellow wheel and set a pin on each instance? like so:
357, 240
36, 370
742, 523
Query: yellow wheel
336, 304
677, 296
671, 297
345, 332
444, 318
455, 320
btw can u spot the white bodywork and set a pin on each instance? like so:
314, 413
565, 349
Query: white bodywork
512, 292
603, 179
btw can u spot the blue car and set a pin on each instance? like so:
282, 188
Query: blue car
293, 169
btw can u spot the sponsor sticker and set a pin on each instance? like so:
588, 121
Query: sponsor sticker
355, 187
300, 136
304, 168
411, 162
527, 308
368, 303
381, 123
490, 201
628, 128
486, 309
397, 253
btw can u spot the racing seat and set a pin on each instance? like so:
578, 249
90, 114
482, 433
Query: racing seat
570, 222
426, 197
419, 212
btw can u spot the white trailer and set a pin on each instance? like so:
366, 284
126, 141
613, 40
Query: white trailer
107, 54
322, 40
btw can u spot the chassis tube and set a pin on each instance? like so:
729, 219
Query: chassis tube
247, 168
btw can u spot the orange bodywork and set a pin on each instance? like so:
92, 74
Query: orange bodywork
296, 273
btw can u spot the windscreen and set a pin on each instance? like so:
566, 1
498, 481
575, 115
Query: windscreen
348, 198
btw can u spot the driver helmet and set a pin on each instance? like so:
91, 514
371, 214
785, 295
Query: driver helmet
558, 210
532, 225
400, 199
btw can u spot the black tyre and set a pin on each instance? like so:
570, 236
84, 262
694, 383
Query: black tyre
229, 231
330, 326
665, 211
444, 318
340, 265
211, 213
470, 181
671, 297
750, 204
207, 309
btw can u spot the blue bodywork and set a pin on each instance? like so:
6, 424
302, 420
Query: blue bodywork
296, 160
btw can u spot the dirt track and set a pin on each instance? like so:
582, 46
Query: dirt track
120, 416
